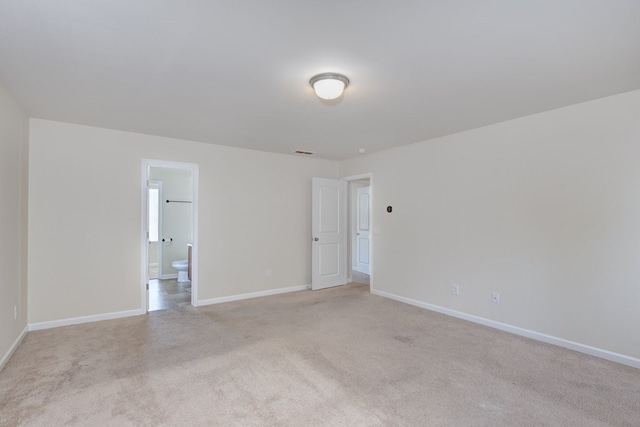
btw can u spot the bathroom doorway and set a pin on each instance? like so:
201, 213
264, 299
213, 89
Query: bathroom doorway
170, 235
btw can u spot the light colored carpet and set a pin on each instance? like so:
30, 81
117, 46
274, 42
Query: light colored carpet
339, 356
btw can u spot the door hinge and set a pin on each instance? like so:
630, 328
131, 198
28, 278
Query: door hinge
147, 286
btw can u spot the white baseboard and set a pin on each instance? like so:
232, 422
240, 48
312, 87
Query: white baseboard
13, 348
85, 319
117, 315
238, 297
560, 342
169, 276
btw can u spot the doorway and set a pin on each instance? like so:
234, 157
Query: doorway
360, 230
170, 208
335, 230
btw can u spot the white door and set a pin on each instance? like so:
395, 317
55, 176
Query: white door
154, 223
329, 234
363, 230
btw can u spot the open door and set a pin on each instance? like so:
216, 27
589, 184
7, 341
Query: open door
154, 224
329, 233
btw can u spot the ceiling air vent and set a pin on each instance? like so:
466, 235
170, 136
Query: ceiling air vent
307, 153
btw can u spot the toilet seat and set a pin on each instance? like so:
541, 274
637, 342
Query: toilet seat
182, 264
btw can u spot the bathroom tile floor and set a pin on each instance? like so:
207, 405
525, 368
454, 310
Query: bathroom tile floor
164, 294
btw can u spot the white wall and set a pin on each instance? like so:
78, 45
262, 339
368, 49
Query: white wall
544, 210
85, 218
13, 223
177, 218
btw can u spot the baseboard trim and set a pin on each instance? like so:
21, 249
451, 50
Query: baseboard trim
13, 348
168, 276
84, 319
250, 295
549, 339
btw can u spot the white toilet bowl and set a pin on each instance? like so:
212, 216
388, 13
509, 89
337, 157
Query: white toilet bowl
181, 266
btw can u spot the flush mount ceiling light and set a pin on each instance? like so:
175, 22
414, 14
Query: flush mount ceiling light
329, 85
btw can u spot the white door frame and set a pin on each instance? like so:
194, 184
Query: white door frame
371, 220
193, 167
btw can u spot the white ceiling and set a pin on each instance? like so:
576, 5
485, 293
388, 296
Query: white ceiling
236, 72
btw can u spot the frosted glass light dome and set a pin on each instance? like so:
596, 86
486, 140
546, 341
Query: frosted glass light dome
329, 85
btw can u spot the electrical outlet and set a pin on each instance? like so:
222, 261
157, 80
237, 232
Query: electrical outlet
455, 290
269, 272
495, 298
15, 312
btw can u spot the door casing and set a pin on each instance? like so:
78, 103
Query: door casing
146, 166
346, 255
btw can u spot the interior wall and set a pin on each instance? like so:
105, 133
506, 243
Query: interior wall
544, 210
13, 222
177, 218
86, 218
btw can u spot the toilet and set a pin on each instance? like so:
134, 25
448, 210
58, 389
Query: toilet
182, 266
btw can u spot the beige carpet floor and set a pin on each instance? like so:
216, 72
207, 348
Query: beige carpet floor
339, 356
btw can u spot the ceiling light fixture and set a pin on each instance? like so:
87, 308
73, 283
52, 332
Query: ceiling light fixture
329, 85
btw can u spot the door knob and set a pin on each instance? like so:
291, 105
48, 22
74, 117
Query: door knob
315, 239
